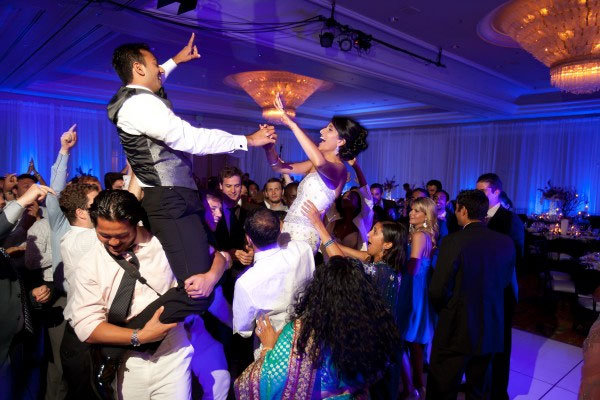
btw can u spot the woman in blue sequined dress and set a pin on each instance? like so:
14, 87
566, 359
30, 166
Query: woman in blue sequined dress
325, 171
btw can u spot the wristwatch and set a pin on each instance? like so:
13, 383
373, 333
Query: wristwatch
135, 340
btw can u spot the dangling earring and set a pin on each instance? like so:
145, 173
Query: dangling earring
425, 224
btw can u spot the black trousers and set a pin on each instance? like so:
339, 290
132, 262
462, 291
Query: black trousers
77, 366
501, 361
175, 216
446, 369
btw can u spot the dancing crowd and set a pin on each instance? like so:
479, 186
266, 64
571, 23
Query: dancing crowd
158, 285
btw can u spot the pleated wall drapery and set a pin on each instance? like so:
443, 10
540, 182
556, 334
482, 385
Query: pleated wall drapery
524, 153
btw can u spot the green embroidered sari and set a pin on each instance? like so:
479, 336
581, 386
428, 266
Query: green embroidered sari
284, 374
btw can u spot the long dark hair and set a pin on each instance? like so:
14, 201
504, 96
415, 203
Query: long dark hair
342, 313
396, 234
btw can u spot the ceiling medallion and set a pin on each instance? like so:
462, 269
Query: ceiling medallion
262, 86
562, 34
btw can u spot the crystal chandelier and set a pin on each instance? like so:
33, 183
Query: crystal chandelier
262, 86
562, 34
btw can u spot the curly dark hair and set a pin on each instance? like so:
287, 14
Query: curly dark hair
342, 313
73, 197
355, 135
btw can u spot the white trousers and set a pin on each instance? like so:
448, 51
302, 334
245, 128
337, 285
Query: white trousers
164, 375
209, 364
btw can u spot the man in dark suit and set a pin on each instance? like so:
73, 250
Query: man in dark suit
503, 221
16, 331
383, 209
474, 268
231, 237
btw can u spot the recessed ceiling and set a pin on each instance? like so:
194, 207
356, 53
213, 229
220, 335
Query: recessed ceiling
64, 49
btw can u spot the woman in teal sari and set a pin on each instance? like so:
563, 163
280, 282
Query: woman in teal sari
338, 342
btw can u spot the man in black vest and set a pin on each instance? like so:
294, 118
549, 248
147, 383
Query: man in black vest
474, 268
157, 144
503, 221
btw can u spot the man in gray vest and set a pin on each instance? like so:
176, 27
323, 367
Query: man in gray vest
157, 144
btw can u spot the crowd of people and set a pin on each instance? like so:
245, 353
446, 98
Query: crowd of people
153, 287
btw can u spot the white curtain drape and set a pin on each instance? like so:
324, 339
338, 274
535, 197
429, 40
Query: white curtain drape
526, 154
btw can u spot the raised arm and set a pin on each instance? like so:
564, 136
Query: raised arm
37, 175
148, 115
317, 158
333, 248
281, 167
58, 172
362, 181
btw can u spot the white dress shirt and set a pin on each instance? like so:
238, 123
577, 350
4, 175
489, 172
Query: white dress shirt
97, 278
75, 244
38, 251
270, 284
145, 114
492, 211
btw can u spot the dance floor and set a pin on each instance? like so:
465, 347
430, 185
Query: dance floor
543, 368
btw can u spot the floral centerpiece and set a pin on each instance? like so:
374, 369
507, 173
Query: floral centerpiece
388, 186
561, 198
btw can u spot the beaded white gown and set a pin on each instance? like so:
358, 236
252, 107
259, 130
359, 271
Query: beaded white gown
295, 225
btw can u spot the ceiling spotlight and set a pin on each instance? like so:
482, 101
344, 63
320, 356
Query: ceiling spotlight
363, 41
184, 5
326, 39
345, 43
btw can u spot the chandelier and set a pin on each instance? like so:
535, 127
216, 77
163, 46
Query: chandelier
262, 86
562, 34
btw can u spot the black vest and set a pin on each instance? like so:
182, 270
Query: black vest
152, 161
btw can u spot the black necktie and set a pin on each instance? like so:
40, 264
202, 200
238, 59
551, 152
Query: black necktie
27, 321
119, 309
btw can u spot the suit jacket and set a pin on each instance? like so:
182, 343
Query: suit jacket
235, 236
10, 297
5, 226
474, 267
509, 223
383, 213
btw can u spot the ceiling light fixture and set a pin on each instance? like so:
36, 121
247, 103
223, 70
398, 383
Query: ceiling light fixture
262, 86
562, 34
184, 5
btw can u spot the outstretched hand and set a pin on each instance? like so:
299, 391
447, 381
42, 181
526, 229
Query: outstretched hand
33, 194
311, 212
278, 104
68, 139
189, 52
265, 135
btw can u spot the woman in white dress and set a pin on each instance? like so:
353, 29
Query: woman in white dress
325, 172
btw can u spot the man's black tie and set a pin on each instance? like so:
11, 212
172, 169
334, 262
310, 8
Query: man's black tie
119, 309
27, 320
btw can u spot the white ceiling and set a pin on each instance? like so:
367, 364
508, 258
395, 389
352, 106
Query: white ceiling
63, 49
